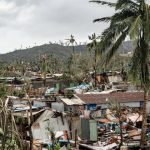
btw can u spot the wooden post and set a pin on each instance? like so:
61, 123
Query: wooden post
75, 137
70, 126
40, 146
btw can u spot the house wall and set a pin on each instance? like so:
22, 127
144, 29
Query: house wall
75, 126
130, 104
58, 106
138, 104
73, 108
148, 107
35, 103
39, 104
19, 102
115, 78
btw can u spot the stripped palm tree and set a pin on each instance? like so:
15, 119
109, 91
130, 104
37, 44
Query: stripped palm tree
131, 18
72, 42
44, 66
93, 46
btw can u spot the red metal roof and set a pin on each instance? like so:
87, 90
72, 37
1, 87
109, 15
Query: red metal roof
119, 96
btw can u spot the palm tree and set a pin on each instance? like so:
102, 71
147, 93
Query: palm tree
92, 46
71, 41
131, 18
44, 68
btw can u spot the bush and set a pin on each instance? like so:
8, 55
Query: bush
69, 93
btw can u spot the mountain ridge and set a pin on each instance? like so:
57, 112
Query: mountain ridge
58, 50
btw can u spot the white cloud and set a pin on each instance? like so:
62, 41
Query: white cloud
24, 22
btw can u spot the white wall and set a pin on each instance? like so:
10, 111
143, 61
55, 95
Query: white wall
58, 106
39, 104
130, 104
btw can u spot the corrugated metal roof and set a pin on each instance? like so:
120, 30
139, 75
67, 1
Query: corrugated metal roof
22, 107
73, 101
119, 96
25, 115
46, 122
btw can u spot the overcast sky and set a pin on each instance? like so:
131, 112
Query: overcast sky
26, 22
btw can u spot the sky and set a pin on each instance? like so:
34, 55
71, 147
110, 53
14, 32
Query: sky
25, 23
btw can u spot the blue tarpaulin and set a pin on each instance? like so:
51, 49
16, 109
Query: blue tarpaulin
82, 86
91, 106
51, 91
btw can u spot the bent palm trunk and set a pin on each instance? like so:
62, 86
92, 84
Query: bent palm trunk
144, 121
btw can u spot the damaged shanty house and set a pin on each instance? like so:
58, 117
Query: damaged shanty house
73, 107
110, 130
50, 122
131, 99
62, 119
23, 112
83, 117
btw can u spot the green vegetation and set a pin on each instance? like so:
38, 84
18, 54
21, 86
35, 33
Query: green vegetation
9, 135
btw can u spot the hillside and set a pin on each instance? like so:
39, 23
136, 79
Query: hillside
55, 49
34, 53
